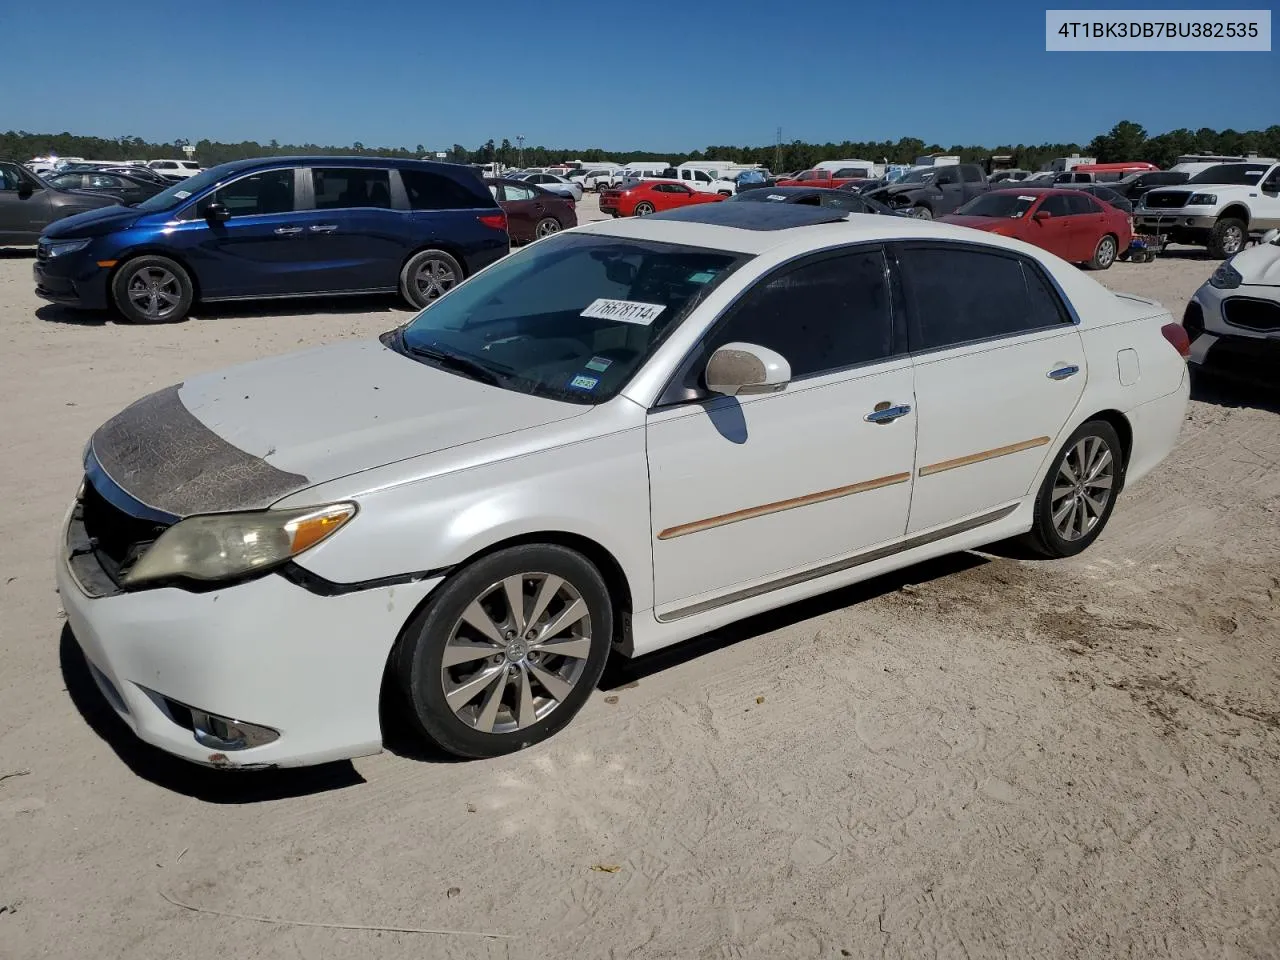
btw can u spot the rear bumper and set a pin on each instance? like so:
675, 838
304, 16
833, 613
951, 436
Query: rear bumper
74, 281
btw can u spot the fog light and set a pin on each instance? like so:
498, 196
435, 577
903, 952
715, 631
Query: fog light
223, 733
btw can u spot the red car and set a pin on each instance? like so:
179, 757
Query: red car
652, 196
532, 213
826, 179
1069, 223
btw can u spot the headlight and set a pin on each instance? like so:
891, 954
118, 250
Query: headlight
59, 248
220, 546
1202, 200
1226, 277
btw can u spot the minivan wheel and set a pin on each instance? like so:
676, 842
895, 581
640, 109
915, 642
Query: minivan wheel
1079, 491
428, 276
152, 290
508, 650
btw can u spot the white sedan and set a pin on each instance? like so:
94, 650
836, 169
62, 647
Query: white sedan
556, 184
615, 439
1234, 319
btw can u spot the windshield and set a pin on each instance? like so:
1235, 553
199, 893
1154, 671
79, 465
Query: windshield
917, 176
180, 192
1231, 173
997, 205
569, 317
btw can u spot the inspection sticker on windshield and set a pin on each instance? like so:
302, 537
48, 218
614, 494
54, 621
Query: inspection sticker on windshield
777, 196
598, 364
628, 311
1030, 199
704, 276
583, 383
182, 194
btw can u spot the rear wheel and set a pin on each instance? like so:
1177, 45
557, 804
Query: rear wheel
643, 208
546, 226
508, 651
1104, 255
152, 290
1079, 491
1227, 238
428, 276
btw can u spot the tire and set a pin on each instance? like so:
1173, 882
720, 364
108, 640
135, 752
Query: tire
152, 290
643, 209
496, 681
920, 212
545, 227
427, 276
1228, 237
1066, 524
1104, 255
725, 193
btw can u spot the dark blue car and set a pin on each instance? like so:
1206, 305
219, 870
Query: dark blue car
277, 227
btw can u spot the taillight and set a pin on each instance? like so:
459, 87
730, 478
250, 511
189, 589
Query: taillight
496, 220
1178, 339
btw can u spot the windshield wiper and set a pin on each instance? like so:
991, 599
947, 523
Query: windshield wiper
456, 362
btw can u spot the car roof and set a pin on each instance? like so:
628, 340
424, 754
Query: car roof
397, 162
745, 216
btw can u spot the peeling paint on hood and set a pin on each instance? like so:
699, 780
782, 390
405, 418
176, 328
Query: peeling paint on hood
244, 437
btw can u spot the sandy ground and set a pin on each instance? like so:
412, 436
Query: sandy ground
983, 757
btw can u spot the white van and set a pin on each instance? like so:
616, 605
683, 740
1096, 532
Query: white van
652, 168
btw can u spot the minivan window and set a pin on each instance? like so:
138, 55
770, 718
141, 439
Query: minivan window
570, 317
341, 187
964, 295
270, 191
435, 191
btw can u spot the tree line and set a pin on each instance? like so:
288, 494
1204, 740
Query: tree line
1125, 141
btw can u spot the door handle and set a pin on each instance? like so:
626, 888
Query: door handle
324, 228
884, 413
1063, 372
288, 231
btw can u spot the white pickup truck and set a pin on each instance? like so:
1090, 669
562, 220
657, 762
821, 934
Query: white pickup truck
700, 181
1219, 208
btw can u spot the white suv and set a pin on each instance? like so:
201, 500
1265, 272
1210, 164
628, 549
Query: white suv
175, 169
1218, 208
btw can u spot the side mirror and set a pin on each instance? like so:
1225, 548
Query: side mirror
1043, 215
217, 212
746, 368
25, 190
1272, 236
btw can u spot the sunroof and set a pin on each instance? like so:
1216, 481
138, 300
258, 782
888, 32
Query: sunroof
755, 216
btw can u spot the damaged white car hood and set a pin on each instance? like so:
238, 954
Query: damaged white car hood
242, 438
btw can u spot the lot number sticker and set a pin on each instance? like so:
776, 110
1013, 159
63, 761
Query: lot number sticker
627, 311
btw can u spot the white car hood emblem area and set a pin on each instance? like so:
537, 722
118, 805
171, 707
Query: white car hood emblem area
242, 438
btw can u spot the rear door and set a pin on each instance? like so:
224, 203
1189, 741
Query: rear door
1087, 227
523, 210
999, 368
259, 251
24, 206
354, 234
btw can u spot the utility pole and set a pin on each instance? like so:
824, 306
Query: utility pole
520, 142
777, 153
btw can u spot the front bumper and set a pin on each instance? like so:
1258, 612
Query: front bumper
75, 280
265, 652
1218, 347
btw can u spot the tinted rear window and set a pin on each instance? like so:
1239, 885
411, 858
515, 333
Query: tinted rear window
435, 191
1231, 173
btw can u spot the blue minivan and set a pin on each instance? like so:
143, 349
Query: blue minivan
277, 227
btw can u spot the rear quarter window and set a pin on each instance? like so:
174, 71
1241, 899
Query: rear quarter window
428, 190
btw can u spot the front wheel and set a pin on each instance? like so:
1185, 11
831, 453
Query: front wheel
1104, 255
508, 651
1079, 491
643, 208
428, 276
152, 290
921, 213
1227, 238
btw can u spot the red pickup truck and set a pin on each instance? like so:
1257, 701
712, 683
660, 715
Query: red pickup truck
827, 179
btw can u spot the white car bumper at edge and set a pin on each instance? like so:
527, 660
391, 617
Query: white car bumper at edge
266, 652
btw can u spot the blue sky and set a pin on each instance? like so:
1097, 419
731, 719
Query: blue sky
435, 72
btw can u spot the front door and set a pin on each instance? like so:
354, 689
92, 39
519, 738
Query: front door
1058, 232
999, 368
749, 487
24, 206
259, 251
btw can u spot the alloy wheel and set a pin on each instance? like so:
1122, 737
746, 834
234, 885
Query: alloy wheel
1106, 252
155, 292
1232, 239
434, 279
547, 227
1083, 488
643, 209
516, 653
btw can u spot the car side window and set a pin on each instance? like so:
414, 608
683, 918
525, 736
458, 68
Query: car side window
823, 315
1081, 202
971, 174
961, 296
519, 193
270, 191
435, 191
9, 179
339, 188
850, 203
1055, 204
